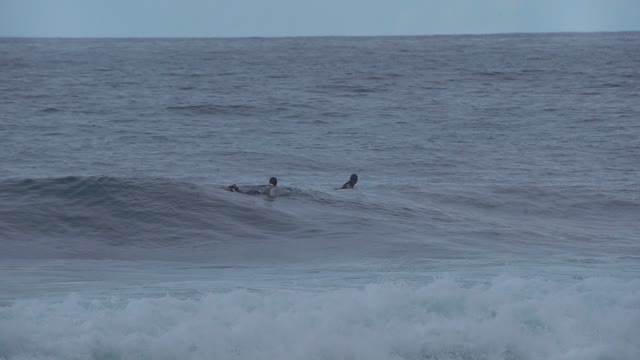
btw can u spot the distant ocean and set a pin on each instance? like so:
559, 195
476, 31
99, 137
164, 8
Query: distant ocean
497, 213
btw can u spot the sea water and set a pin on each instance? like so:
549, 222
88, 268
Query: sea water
497, 213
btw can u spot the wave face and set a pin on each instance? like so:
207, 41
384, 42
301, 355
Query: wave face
147, 218
107, 217
508, 318
94, 216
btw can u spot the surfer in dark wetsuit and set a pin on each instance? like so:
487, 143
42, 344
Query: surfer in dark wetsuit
351, 183
268, 189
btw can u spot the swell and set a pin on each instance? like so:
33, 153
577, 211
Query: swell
137, 217
543, 201
145, 212
112, 217
142, 217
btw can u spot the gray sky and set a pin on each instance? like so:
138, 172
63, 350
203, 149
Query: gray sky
233, 18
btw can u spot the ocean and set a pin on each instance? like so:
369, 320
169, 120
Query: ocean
496, 216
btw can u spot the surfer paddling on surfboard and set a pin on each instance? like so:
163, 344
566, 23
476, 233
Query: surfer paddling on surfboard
351, 183
267, 190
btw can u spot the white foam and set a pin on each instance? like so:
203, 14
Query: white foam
508, 318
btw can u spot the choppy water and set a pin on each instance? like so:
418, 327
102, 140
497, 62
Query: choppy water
497, 214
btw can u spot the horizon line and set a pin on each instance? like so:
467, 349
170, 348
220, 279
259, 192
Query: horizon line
322, 36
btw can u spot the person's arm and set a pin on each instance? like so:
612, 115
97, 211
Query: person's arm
233, 188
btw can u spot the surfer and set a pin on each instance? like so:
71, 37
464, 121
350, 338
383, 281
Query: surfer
269, 189
351, 183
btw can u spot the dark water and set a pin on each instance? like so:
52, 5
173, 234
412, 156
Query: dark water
497, 214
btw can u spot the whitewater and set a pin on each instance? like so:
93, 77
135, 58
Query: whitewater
496, 215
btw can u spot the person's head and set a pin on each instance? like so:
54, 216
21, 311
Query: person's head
273, 181
353, 179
